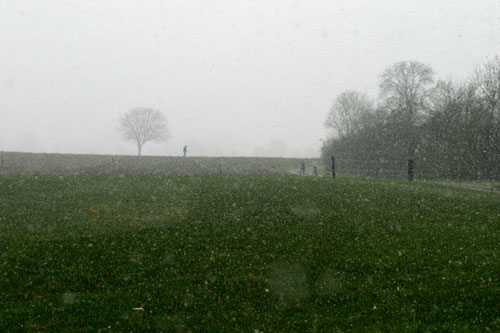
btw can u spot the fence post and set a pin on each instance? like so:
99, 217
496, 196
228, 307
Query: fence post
333, 167
410, 170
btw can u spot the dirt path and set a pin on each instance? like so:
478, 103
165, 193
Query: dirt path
492, 187
478, 187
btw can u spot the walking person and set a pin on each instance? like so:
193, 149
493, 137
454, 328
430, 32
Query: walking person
315, 167
185, 150
303, 168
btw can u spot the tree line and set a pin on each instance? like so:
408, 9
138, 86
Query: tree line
451, 129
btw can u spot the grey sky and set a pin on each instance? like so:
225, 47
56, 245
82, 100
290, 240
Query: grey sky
233, 77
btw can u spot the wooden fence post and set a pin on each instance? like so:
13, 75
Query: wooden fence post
333, 167
410, 170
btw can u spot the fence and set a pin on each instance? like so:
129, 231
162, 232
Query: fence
409, 169
372, 168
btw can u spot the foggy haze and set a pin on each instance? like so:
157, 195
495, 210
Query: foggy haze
233, 78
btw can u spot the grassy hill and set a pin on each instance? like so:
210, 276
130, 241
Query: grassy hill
72, 164
258, 254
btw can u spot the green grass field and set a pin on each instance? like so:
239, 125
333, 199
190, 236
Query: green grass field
256, 254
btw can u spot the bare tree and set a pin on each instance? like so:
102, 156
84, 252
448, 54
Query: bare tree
348, 112
488, 81
405, 88
142, 125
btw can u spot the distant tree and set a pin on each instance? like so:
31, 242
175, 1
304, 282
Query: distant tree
348, 113
142, 125
449, 141
488, 82
405, 90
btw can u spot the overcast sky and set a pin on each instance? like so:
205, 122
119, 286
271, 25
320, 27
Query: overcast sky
233, 77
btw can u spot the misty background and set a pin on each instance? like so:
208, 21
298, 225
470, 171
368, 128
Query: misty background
234, 78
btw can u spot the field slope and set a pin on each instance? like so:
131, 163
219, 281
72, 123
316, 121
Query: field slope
259, 254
